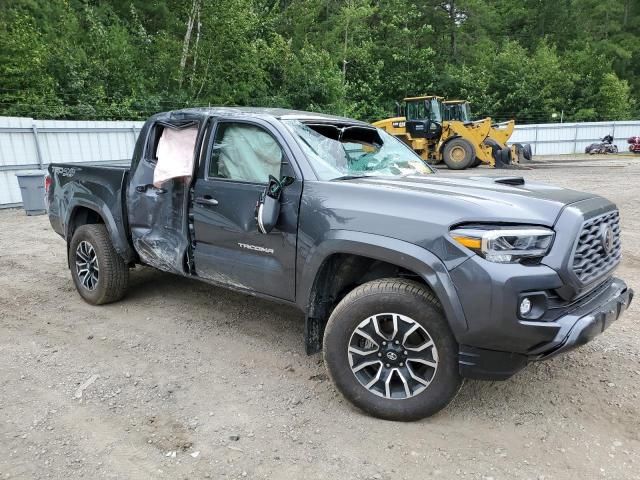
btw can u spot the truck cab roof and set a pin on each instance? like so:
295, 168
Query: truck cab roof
263, 112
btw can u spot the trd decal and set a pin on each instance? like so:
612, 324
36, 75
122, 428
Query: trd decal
65, 172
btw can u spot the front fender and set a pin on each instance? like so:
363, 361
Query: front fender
390, 250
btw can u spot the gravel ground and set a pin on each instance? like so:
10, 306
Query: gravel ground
184, 380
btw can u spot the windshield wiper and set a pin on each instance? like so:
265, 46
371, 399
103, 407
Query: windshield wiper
350, 177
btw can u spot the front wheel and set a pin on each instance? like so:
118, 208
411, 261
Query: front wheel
99, 273
389, 350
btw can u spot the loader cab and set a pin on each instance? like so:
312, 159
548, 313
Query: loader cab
459, 110
423, 116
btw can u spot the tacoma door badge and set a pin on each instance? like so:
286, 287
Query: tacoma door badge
256, 248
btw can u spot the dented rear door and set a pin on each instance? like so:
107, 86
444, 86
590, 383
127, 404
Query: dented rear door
158, 213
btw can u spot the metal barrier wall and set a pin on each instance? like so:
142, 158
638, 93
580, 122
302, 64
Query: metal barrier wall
567, 138
27, 144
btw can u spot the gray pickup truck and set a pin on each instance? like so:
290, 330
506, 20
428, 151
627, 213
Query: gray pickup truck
408, 280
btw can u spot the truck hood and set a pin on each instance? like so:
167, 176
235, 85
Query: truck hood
422, 209
482, 198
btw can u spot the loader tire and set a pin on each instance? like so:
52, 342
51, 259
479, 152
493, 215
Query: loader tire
459, 154
520, 155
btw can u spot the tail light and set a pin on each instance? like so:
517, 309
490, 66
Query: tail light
47, 185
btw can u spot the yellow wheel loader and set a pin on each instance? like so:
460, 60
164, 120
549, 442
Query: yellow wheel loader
458, 143
499, 133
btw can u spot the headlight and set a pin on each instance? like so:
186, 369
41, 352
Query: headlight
505, 245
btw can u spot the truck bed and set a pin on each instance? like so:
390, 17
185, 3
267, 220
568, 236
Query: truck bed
77, 187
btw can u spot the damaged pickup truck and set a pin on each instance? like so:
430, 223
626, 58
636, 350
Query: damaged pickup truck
409, 281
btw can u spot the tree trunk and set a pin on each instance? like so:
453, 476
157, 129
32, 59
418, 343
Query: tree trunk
452, 18
187, 39
346, 46
195, 47
625, 18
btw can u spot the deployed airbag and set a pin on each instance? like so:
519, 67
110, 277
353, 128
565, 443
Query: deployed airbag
175, 154
249, 153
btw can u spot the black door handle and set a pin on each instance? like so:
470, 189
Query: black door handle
207, 200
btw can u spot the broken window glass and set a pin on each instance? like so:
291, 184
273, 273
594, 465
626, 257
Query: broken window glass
336, 151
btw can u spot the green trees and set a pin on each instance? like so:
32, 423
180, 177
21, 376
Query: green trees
614, 98
127, 59
25, 84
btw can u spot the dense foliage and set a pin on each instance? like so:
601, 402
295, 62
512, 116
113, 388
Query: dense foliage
533, 60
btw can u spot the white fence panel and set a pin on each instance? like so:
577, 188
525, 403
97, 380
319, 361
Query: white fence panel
28, 144
567, 138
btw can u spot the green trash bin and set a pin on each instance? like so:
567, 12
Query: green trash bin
32, 189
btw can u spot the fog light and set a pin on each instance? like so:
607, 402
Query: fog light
525, 307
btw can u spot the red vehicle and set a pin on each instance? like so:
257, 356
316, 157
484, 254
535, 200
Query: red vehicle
634, 144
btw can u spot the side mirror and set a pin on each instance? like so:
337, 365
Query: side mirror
268, 208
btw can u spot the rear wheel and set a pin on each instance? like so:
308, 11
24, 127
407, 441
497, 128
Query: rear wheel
389, 350
458, 154
99, 273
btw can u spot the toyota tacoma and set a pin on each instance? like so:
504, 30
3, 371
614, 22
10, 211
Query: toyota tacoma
409, 280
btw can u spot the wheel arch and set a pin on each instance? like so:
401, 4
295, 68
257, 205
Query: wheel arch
83, 212
347, 259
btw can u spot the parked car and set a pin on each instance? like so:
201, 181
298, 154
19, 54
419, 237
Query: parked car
409, 280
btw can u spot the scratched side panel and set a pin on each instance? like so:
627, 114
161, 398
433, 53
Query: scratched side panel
98, 188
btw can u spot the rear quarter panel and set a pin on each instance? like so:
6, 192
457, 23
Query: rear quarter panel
99, 188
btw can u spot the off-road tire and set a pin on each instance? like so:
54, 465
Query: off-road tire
113, 276
520, 152
458, 154
406, 298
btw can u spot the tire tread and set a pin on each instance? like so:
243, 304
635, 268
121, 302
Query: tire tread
413, 292
113, 269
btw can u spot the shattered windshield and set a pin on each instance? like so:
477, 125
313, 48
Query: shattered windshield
338, 152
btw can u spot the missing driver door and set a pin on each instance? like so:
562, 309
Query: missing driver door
228, 246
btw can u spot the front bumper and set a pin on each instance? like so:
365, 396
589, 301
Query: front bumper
578, 326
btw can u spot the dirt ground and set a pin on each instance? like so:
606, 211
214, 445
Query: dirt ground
192, 381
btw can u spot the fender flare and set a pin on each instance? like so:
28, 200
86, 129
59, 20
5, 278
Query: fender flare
397, 252
120, 242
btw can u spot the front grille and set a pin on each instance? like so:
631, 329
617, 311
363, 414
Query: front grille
591, 259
